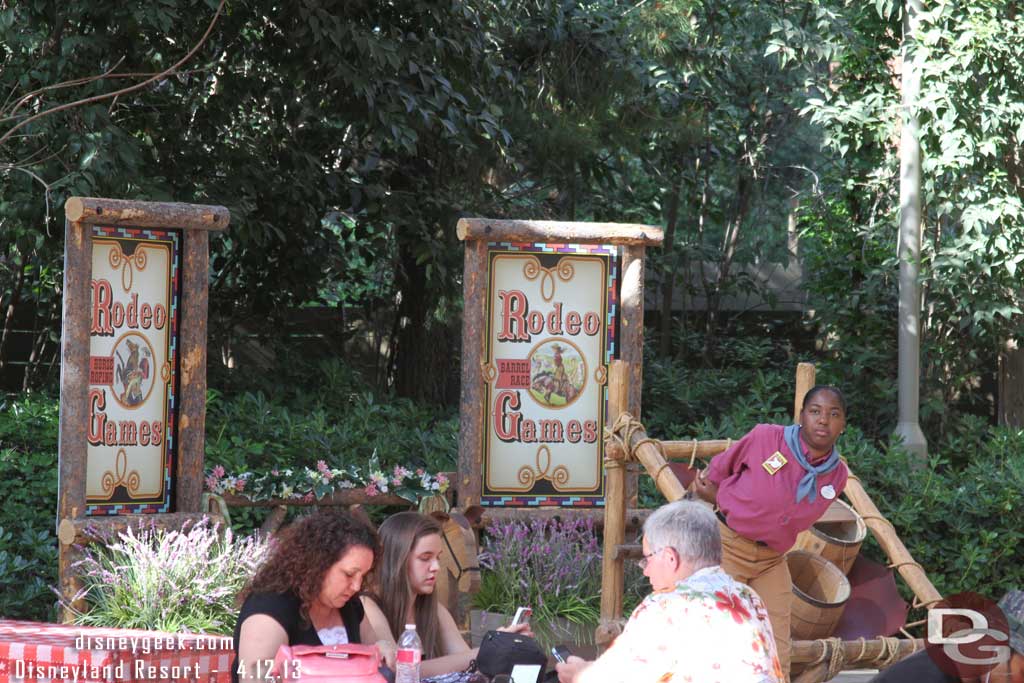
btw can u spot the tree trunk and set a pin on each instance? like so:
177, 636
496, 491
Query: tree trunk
426, 354
12, 306
669, 271
573, 189
33, 359
732, 236
38, 350
1011, 385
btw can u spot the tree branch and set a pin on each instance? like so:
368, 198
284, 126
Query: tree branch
138, 86
64, 84
84, 81
46, 186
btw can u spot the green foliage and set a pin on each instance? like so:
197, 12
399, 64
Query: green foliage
28, 568
853, 289
28, 479
970, 113
750, 380
330, 414
333, 416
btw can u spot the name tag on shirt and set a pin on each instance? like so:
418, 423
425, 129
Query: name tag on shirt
774, 463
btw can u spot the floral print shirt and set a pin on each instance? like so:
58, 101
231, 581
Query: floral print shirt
708, 629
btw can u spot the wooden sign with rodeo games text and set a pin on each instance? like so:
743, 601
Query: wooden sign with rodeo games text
542, 321
133, 368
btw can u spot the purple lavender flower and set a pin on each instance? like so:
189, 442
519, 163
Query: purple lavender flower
551, 565
168, 580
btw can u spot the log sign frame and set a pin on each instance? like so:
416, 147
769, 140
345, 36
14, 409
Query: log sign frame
542, 322
133, 368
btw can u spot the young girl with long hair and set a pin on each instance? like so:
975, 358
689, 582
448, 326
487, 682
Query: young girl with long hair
403, 593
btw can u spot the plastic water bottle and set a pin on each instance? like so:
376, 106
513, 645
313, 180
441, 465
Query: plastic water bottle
410, 651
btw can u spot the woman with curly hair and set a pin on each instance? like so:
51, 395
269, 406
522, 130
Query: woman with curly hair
306, 592
403, 593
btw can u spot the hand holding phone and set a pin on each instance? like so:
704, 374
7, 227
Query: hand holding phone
560, 653
522, 616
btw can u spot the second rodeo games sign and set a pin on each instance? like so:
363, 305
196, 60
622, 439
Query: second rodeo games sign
550, 334
548, 305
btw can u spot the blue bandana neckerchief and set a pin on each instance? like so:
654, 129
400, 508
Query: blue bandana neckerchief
808, 486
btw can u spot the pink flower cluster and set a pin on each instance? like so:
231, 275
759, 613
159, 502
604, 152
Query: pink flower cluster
218, 482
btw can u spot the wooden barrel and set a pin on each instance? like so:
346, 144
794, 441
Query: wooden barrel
837, 542
820, 592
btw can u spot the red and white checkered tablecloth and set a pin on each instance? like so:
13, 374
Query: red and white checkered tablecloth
32, 651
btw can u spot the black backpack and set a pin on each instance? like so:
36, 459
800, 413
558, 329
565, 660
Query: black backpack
500, 651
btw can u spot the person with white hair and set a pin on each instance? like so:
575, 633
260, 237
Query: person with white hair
698, 625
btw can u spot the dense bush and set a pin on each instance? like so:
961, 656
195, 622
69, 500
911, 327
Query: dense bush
28, 567
28, 489
964, 525
306, 411
322, 412
254, 432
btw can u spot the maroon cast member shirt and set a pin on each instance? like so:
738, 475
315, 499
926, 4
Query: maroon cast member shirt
762, 506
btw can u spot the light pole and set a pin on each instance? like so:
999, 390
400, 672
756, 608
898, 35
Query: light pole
909, 381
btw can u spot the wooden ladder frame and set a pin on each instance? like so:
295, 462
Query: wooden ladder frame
814, 661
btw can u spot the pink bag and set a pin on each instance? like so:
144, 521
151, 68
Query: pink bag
340, 663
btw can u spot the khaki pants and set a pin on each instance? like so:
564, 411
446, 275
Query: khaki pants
767, 573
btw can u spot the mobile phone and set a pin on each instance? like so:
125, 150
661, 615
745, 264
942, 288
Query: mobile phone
560, 653
522, 616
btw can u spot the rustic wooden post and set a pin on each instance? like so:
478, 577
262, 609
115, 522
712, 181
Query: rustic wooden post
192, 418
632, 328
805, 378
612, 571
648, 452
74, 414
183, 427
559, 232
474, 338
854, 654
890, 543
652, 459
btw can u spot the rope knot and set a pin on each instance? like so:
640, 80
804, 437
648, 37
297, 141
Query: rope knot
622, 432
